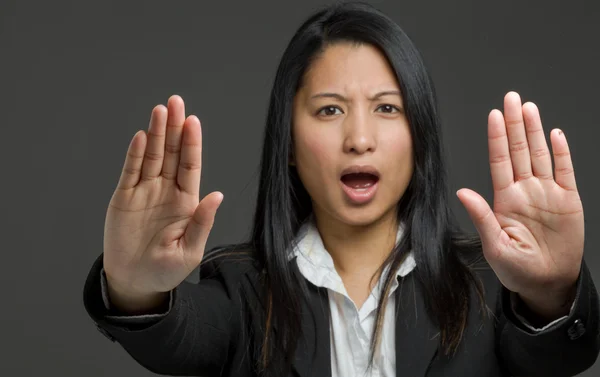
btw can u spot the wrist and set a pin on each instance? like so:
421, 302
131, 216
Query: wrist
129, 303
549, 305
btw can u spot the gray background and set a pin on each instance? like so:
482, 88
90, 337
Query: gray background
78, 79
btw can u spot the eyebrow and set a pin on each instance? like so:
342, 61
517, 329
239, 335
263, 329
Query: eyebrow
344, 99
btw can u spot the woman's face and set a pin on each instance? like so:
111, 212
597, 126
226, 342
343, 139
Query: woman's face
352, 142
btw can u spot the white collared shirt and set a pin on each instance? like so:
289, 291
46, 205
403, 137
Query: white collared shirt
351, 328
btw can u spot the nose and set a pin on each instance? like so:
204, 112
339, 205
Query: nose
359, 134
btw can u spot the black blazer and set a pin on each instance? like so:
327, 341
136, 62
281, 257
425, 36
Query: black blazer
212, 330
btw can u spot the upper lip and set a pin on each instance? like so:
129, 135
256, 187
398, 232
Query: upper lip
367, 169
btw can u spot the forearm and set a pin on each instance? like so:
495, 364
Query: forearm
191, 337
565, 348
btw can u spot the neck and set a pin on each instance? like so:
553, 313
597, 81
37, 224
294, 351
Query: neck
358, 251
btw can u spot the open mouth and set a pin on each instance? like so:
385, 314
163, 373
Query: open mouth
359, 181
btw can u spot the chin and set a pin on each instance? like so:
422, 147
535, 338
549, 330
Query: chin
362, 216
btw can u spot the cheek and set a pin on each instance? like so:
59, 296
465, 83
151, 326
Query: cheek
400, 150
315, 163
313, 152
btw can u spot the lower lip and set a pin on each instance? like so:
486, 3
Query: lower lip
362, 195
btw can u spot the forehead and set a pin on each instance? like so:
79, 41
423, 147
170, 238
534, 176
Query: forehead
348, 66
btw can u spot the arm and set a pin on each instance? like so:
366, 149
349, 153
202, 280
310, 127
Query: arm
192, 337
150, 317
564, 348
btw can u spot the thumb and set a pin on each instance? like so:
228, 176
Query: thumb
201, 223
482, 216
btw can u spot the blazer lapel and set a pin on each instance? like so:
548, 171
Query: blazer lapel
417, 336
313, 355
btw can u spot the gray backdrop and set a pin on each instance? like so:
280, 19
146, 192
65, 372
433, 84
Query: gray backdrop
79, 78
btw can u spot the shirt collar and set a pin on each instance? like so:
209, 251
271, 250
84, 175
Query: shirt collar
316, 264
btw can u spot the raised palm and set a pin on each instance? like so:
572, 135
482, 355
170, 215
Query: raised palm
533, 238
156, 227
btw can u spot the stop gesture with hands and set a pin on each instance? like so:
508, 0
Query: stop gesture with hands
533, 237
156, 227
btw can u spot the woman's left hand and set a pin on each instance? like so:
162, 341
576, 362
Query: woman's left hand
533, 238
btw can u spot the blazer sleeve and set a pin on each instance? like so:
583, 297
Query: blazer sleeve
139, 319
194, 335
565, 348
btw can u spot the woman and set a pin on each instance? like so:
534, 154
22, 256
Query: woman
355, 266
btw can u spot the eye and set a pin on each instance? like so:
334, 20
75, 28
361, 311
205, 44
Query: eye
388, 108
329, 110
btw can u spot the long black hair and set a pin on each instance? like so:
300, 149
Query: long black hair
283, 204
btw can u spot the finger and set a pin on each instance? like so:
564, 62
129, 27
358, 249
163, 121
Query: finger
190, 162
517, 138
199, 227
500, 163
155, 148
541, 162
175, 119
130, 175
483, 218
563, 165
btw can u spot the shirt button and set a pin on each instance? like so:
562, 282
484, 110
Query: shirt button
576, 330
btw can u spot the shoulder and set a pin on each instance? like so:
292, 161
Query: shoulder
491, 287
470, 252
232, 264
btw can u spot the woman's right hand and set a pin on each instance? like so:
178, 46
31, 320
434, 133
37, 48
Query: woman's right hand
156, 227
